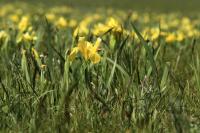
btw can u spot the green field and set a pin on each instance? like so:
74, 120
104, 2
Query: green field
151, 5
100, 66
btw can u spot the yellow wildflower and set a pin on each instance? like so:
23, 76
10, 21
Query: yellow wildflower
76, 31
180, 36
14, 18
3, 35
23, 24
170, 38
50, 16
87, 50
72, 23
111, 24
155, 32
114, 25
27, 37
61, 23
100, 29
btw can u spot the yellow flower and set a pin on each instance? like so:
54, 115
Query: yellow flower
155, 32
72, 23
50, 16
61, 23
151, 33
73, 53
100, 29
87, 50
180, 36
23, 24
14, 17
83, 26
111, 24
170, 38
94, 56
114, 25
76, 32
135, 16
27, 37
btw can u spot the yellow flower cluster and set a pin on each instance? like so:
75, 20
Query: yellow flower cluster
23, 24
87, 50
111, 24
27, 36
171, 28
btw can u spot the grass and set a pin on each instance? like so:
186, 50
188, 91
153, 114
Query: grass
135, 88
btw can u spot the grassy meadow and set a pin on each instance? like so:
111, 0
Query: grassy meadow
99, 66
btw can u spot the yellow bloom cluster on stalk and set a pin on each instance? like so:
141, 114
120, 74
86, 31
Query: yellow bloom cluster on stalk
170, 38
27, 36
111, 24
151, 33
87, 49
23, 24
61, 22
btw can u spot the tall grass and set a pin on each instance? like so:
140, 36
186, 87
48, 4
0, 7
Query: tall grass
135, 88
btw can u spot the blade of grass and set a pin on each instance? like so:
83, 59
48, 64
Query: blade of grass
150, 55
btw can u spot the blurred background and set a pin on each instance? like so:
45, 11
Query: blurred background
153, 5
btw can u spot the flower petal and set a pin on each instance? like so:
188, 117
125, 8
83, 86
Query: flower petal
95, 58
73, 53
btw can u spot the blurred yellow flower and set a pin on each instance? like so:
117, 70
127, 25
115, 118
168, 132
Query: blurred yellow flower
14, 18
23, 24
61, 23
151, 33
114, 25
155, 32
72, 23
170, 38
111, 24
100, 29
50, 16
27, 37
180, 36
76, 31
